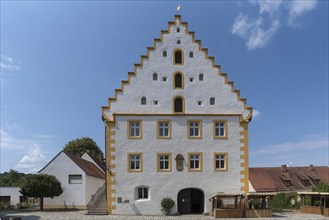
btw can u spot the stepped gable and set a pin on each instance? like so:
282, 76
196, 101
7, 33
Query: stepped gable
130, 93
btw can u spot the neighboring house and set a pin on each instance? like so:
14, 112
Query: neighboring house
287, 179
10, 195
176, 128
80, 178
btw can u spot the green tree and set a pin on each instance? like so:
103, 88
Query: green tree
41, 185
81, 145
321, 187
11, 178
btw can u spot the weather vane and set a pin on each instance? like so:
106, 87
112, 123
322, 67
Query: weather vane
178, 8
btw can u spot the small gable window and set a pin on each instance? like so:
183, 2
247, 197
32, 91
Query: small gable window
164, 53
143, 100
201, 77
212, 101
191, 54
178, 81
178, 41
178, 29
155, 76
178, 105
178, 57
75, 179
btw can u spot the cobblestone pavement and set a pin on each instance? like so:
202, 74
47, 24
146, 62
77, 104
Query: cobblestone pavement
77, 215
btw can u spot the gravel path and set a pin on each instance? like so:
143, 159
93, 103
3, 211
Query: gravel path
80, 215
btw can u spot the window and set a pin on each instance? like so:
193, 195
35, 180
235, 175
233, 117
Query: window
178, 105
220, 129
164, 53
200, 103
163, 129
164, 162
178, 57
212, 101
164, 79
191, 54
191, 79
220, 161
178, 41
178, 81
75, 179
142, 192
194, 129
155, 102
135, 163
143, 101
134, 129
201, 77
155, 76
178, 29
194, 162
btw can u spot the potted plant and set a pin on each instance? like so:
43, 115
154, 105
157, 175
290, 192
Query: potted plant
167, 204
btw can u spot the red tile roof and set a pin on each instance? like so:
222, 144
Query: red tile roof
88, 167
275, 179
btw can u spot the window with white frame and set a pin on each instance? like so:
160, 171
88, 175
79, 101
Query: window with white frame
220, 129
164, 162
75, 179
194, 161
220, 161
134, 162
194, 128
134, 129
142, 192
164, 129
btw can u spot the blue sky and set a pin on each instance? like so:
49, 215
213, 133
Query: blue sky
60, 61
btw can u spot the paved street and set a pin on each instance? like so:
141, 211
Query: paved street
77, 215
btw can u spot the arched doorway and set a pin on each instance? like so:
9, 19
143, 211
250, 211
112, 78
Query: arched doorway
190, 201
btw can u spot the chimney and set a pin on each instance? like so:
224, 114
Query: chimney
311, 167
284, 168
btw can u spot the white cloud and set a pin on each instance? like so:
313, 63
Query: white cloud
9, 64
297, 8
312, 149
24, 154
258, 31
311, 142
253, 32
33, 160
255, 113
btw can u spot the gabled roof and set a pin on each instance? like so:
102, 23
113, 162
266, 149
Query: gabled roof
271, 179
88, 167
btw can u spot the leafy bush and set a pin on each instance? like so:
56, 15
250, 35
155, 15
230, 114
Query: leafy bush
22, 206
167, 204
321, 187
284, 201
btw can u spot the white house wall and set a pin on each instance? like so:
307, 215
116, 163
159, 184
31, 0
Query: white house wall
13, 192
74, 194
168, 184
92, 185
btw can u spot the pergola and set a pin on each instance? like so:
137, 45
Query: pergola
240, 207
323, 203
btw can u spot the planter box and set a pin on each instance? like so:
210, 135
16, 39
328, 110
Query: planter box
256, 213
326, 212
310, 209
228, 213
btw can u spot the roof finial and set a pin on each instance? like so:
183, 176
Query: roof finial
178, 8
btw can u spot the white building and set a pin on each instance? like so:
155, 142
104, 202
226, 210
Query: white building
80, 178
10, 195
176, 128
